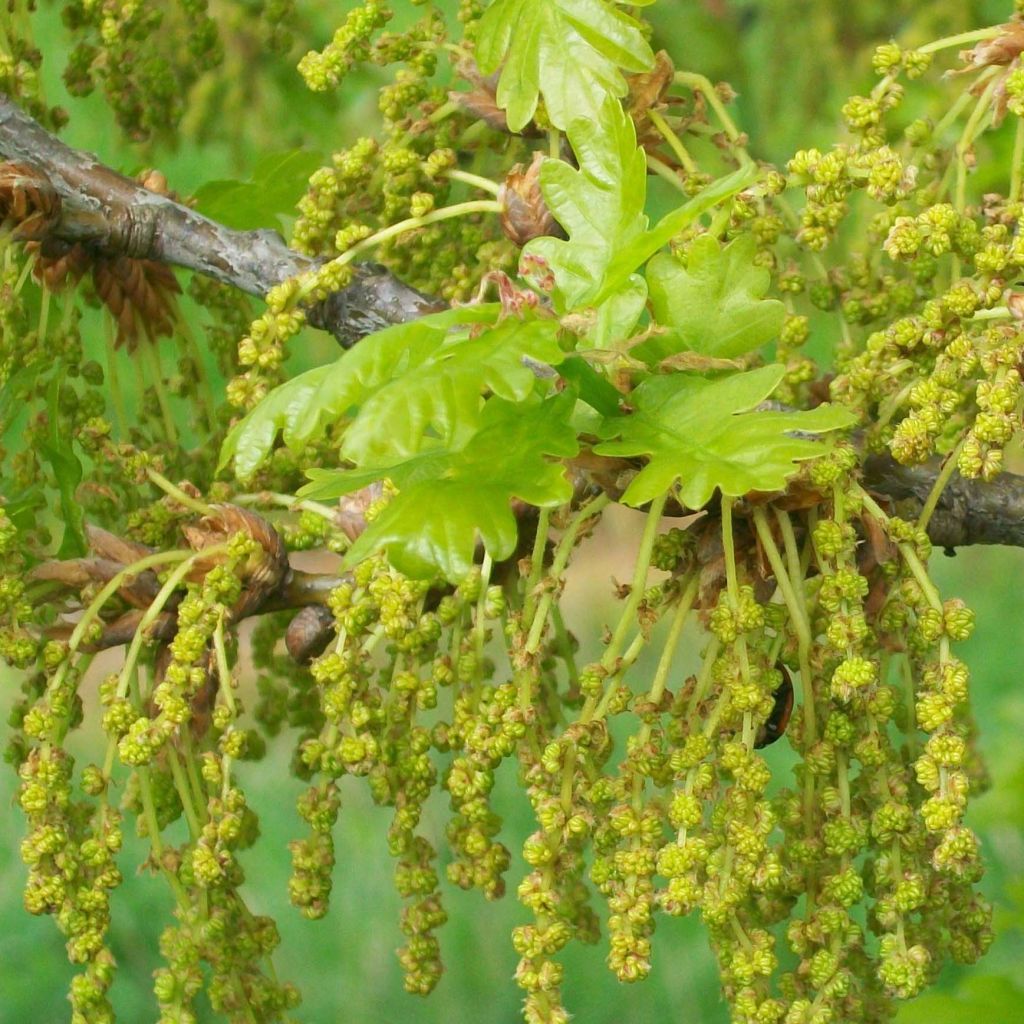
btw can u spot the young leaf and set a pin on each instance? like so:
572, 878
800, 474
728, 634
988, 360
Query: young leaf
25, 508
15, 389
635, 254
447, 497
601, 207
302, 409
277, 182
616, 318
703, 433
442, 393
67, 470
713, 305
593, 388
570, 51
250, 440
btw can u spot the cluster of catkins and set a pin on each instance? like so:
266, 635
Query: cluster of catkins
403, 173
819, 622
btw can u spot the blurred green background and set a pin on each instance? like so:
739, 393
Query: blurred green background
793, 62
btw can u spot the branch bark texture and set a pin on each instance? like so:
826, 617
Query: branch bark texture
118, 216
968, 512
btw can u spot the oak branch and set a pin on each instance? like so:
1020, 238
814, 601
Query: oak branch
118, 216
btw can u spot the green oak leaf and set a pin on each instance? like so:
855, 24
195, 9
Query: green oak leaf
572, 52
399, 382
714, 304
24, 508
639, 250
16, 389
277, 182
449, 496
592, 387
442, 393
704, 434
617, 317
251, 439
601, 207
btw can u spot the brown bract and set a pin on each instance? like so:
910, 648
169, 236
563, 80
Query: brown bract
647, 91
268, 582
524, 213
264, 571
139, 293
111, 555
481, 100
28, 201
141, 297
352, 508
1000, 50
1015, 304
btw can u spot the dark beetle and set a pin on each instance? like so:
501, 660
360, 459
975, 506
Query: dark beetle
778, 718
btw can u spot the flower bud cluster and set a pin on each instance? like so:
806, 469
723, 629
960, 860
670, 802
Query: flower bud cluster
554, 888
577, 802
313, 858
18, 646
487, 725
957, 923
262, 350
72, 843
848, 760
219, 936
403, 174
830, 179
134, 51
869, 795
70, 853
937, 372
372, 687
721, 860
327, 68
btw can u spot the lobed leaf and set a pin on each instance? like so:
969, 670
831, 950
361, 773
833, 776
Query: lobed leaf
713, 304
572, 52
388, 369
704, 435
449, 496
592, 387
442, 393
601, 207
635, 254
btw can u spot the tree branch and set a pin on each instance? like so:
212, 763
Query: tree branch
968, 512
118, 216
